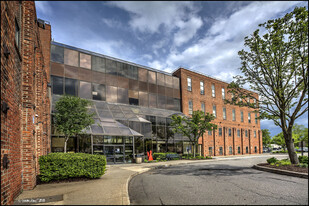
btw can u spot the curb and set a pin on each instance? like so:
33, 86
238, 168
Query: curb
282, 172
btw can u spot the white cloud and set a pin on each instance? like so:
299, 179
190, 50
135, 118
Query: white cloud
112, 23
149, 16
43, 7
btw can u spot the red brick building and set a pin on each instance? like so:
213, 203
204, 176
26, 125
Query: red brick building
25, 96
238, 131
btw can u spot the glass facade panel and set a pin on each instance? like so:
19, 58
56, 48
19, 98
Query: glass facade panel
133, 85
71, 57
161, 90
98, 64
176, 93
71, 72
152, 100
169, 103
85, 61
123, 82
176, 83
111, 67
133, 94
111, 80
168, 81
161, 102
160, 79
111, 94
96, 129
123, 70
98, 92
57, 69
98, 139
168, 92
152, 78
143, 99
57, 85
98, 77
85, 74
71, 86
142, 75
152, 88
143, 86
177, 104
133, 72
85, 90
57, 54
123, 96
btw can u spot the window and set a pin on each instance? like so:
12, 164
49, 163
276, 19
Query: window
190, 107
249, 117
220, 151
189, 84
220, 131
17, 35
247, 150
254, 133
214, 110
254, 101
256, 120
238, 150
98, 63
85, 61
71, 86
230, 150
230, 132
233, 114
57, 54
123, 96
213, 92
210, 151
133, 101
223, 93
203, 107
85, 90
255, 149
242, 116
98, 92
57, 85
224, 113
246, 133
238, 133
248, 100
202, 87
71, 57
209, 132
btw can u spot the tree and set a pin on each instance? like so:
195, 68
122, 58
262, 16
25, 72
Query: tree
279, 140
266, 137
300, 134
276, 67
193, 127
72, 116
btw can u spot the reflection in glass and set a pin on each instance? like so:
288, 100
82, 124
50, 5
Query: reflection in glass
123, 96
143, 99
161, 102
85, 61
133, 72
111, 94
160, 78
152, 77
57, 85
98, 63
133, 84
85, 90
175, 82
98, 91
168, 81
71, 86
153, 100
98, 139
57, 53
142, 75
71, 57
111, 67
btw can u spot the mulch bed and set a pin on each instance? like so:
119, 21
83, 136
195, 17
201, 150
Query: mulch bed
292, 168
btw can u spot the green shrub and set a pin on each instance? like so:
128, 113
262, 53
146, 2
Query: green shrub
303, 159
303, 165
162, 156
284, 162
58, 166
208, 157
272, 160
199, 157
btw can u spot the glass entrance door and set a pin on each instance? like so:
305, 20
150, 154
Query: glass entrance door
114, 153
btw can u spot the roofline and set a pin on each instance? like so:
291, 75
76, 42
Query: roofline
191, 70
108, 57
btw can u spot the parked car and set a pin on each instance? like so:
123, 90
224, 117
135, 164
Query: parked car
305, 149
266, 150
276, 149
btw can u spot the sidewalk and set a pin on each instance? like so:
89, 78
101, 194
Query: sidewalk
110, 189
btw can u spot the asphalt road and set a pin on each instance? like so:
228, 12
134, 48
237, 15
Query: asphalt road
224, 182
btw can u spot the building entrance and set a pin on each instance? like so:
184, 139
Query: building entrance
114, 153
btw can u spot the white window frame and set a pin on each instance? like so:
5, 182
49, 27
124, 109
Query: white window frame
202, 90
189, 82
223, 93
213, 90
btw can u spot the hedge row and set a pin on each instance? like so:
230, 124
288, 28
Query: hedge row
58, 166
161, 156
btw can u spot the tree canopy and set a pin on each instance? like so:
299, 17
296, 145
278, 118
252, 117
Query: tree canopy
72, 116
193, 127
275, 65
266, 138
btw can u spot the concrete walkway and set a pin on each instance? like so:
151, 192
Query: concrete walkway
110, 189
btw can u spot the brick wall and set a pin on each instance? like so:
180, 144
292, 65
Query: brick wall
25, 133
215, 140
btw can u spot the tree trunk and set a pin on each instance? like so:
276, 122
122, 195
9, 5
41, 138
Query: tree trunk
65, 144
194, 150
290, 147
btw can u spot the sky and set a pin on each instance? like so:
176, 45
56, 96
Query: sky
203, 36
